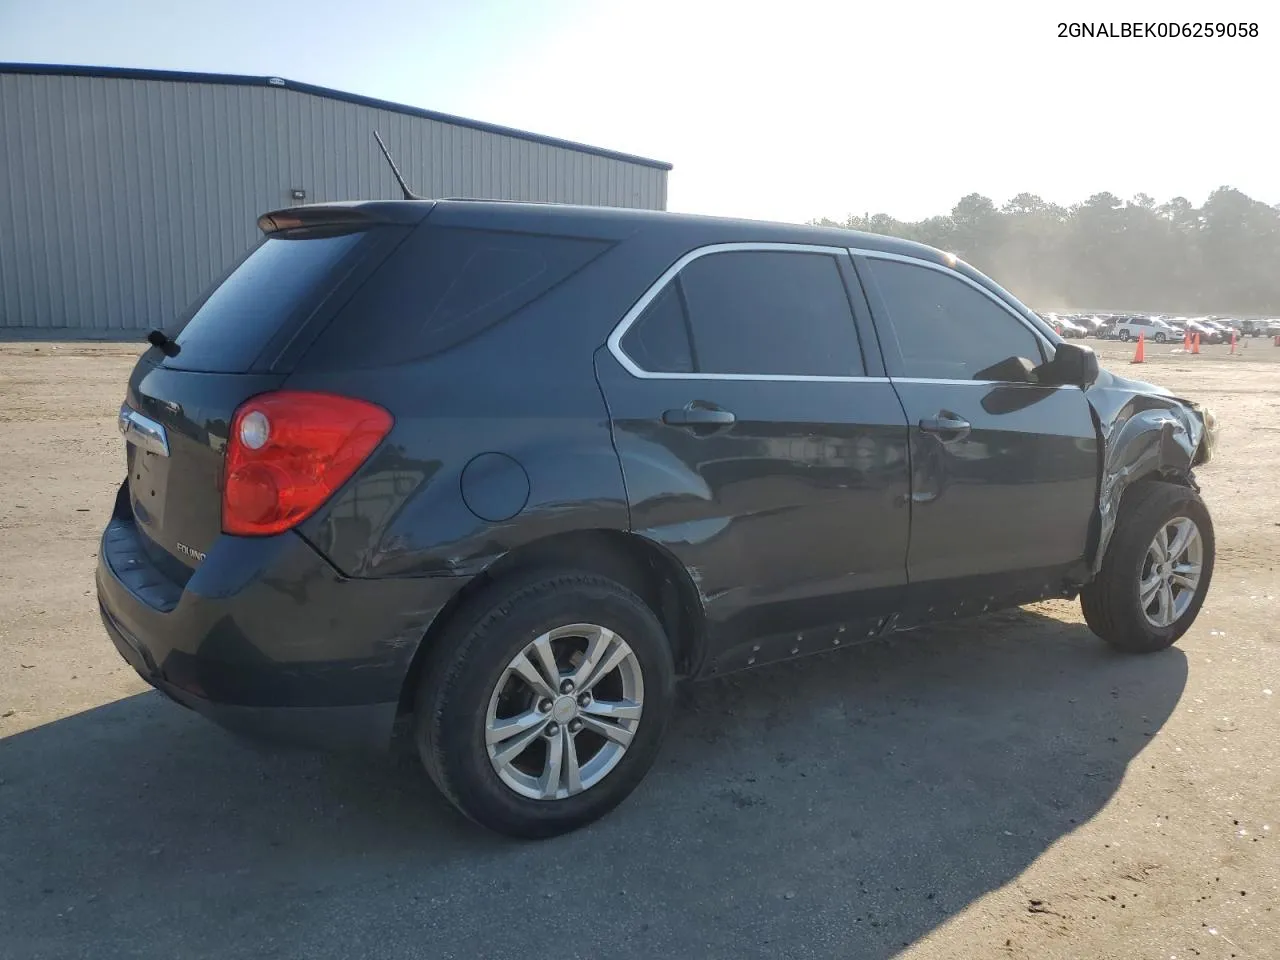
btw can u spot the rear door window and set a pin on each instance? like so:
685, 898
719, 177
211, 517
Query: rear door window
270, 289
750, 313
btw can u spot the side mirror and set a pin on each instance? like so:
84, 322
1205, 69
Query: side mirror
1071, 364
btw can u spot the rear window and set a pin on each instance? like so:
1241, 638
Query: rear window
445, 285
272, 287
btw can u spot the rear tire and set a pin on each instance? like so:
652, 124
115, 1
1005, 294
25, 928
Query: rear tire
1113, 604
1161, 338
1124, 335
479, 680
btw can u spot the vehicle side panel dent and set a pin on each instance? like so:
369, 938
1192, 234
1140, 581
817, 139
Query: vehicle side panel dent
461, 481
430, 529
1142, 435
681, 497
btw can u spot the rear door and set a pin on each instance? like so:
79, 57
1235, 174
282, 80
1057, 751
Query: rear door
1004, 473
179, 405
762, 447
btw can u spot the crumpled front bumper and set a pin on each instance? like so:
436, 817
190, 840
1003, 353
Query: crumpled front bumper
1145, 431
1209, 439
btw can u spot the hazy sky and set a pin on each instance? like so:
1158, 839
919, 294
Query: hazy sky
808, 109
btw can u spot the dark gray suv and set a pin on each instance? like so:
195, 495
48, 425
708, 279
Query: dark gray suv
496, 475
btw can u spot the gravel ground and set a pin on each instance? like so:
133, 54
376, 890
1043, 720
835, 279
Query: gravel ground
1000, 787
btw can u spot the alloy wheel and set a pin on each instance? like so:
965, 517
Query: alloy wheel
564, 712
1171, 571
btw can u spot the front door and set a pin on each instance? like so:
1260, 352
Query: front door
756, 448
1004, 472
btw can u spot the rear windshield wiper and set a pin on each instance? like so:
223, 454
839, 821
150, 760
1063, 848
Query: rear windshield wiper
164, 343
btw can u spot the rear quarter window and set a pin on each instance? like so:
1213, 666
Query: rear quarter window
443, 286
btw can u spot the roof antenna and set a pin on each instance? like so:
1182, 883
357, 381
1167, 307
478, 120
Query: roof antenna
404, 187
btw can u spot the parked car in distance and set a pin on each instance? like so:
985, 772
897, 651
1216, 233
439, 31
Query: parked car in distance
1227, 326
492, 476
1105, 328
1071, 329
1224, 329
1209, 332
1061, 325
1112, 322
1155, 329
1092, 324
1177, 325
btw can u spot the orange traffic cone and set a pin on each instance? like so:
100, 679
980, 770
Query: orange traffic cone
1195, 344
1233, 342
1140, 355
1186, 340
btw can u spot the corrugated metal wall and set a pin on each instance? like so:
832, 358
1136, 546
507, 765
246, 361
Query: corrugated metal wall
121, 199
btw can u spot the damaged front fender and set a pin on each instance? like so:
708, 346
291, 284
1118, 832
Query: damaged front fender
1145, 431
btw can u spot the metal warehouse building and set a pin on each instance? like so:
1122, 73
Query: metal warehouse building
123, 193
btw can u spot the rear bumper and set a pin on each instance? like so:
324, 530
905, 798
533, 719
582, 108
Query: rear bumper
266, 638
359, 727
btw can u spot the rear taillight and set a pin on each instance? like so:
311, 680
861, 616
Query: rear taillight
287, 454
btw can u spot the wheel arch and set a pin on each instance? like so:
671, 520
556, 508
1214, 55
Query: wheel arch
1108, 602
1149, 439
639, 564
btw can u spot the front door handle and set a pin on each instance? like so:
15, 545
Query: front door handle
699, 414
947, 426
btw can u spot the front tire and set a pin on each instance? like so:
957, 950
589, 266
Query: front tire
1124, 335
1161, 338
1157, 570
545, 703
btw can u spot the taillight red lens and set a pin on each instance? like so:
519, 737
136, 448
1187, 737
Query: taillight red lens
287, 454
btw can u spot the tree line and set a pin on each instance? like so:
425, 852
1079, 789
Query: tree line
1112, 254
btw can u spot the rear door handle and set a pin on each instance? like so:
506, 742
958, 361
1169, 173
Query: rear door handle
698, 414
947, 426
143, 432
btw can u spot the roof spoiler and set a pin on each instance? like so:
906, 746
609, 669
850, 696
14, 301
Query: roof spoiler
349, 215
355, 215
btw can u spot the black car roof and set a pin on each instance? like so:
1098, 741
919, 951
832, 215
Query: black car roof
619, 221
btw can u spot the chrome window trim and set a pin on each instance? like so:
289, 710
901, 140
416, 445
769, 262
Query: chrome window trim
614, 342
984, 383
1045, 343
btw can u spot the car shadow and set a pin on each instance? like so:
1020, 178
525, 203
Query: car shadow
842, 805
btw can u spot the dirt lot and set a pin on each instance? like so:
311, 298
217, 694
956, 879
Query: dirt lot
1000, 787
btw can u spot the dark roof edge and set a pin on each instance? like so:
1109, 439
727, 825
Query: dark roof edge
182, 76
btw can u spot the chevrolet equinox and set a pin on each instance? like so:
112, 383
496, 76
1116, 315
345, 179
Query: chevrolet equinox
494, 476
